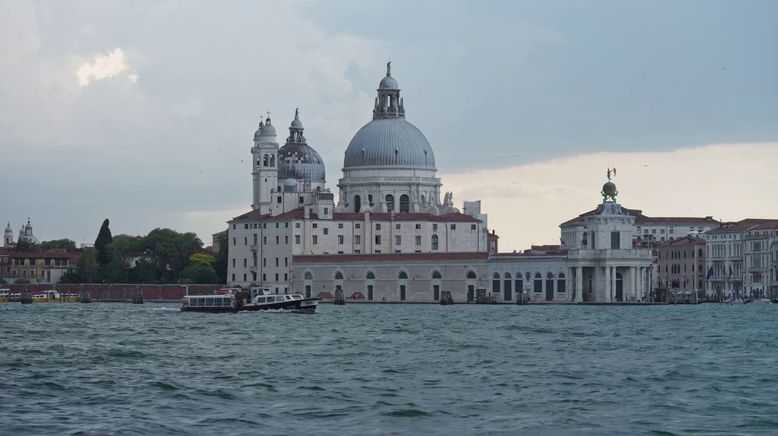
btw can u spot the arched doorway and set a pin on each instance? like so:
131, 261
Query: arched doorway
402, 280
471, 277
619, 287
357, 203
507, 290
549, 287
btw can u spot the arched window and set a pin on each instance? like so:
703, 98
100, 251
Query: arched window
538, 283
265, 160
389, 202
434, 242
370, 275
272, 160
507, 288
403, 275
471, 275
436, 275
357, 203
338, 276
405, 203
308, 275
423, 199
561, 283
496, 283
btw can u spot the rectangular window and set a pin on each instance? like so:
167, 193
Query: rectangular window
286, 239
418, 240
277, 239
378, 226
418, 226
434, 227
357, 226
245, 262
378, 239
234, 241
326, 231
276, 278
264, 240
472, 226
326, 210
297, 225
315, 239
340, 239
340, 225
357, 239
615, 241
397, 226
315, 225
278, 199
264, 262
276, 262
398, 240
286, 261
233, 262
453, 226
297, 239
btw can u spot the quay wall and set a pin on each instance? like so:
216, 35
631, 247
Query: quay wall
121, 291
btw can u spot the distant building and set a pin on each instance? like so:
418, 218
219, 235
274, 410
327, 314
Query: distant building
36, 267
739, 258
391, 237
681, 264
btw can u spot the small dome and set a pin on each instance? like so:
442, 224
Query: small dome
609, 189
297, 124
388, 82
265, 130
300, 162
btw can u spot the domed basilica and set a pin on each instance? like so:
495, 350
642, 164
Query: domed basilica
390, 238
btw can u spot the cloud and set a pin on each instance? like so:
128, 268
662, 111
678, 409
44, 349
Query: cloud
526, 203
104, 66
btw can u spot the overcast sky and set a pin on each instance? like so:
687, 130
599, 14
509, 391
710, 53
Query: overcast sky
144, 112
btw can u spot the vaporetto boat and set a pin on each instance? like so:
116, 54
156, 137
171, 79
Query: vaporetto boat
233, 300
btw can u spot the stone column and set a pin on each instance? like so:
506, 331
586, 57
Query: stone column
578, 284
607, 279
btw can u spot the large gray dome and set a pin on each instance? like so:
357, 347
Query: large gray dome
389, 142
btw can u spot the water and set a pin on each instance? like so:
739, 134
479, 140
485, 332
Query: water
389, 369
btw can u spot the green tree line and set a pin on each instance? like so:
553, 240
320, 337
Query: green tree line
162, 256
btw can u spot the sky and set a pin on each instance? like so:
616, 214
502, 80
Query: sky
143, 112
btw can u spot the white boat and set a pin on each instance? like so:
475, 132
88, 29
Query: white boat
763, 301
237, 300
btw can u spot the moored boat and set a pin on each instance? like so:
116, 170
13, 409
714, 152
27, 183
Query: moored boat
232, 300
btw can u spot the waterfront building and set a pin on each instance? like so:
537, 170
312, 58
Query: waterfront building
680, 265
36, 267
390, 237
759, 247
738, 260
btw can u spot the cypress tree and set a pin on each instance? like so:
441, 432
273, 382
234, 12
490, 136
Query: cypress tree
104, 238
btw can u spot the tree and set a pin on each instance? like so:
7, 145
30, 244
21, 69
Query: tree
65, 244
144, 271
114, 272
125, 248
220, 265
170, 251
25, 246
197, 274
104, 238
86, 268
201, 259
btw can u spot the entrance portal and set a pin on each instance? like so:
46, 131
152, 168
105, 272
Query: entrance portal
619, 287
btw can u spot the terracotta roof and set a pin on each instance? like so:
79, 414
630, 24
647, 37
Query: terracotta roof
643, 219
688, 240
299, 214
742, 225
50, 254
389, 257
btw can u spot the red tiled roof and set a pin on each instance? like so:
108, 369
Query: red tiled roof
299, 213
642, 219
50, 254
389, 257
742, 225
688, 240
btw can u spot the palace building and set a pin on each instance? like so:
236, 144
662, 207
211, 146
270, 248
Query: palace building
389, 237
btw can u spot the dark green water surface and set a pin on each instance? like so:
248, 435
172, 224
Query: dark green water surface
106, 368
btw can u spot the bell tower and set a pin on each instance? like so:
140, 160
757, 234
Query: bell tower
264, 166
8, 238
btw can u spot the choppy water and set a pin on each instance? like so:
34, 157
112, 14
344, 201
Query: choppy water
389, 369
